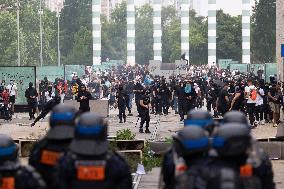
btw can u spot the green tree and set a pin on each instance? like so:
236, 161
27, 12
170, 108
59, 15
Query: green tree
229, 36
76, 14
8, 39
264, 31
144, 34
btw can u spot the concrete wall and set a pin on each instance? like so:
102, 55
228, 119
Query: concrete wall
279, 36
97, 106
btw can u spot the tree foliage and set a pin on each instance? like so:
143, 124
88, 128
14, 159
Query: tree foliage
76, 34
264, 31
229, 36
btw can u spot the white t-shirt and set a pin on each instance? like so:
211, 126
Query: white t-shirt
12, 89
259, 99
47, 97
248, 90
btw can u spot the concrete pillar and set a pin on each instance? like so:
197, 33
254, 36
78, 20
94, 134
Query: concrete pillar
96, 22
246, 31
184, 36
279, 37
130, 32
211, 32
157, 35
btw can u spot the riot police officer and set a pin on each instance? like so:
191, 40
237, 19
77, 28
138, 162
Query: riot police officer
89, 163
12, 174
262, 166
47, 151
145, 111
200, 118
189, 150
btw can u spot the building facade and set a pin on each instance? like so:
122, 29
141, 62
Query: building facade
54, 5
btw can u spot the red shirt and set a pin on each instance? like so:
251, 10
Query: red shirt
5, 97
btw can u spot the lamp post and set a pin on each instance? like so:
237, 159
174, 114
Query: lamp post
18, 30
40, 28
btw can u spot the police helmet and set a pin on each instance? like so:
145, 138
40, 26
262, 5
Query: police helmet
90, 135
8, 149
199, 118
191, 141
235, 117
62, 122
231, 139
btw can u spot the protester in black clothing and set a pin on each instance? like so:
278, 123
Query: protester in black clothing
129, 91
31, 96
223, 100
238, 100
157, 94
47, 108
182, 106
84, 97
145, 111
165, 97
212, 95
190, 96
122, 99
138, 91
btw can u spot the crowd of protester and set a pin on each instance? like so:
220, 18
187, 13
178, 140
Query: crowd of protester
219, 90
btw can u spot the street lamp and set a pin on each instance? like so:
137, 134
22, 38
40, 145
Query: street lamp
18, 30
40, 28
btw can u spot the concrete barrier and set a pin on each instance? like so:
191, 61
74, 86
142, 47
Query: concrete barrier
98, 106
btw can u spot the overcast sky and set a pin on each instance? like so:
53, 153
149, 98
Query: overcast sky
233, 7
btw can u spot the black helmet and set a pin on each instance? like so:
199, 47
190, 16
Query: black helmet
231, 139
191, 141
199, 118
62, 122
148, 91
235, 117
8, 149
90, 135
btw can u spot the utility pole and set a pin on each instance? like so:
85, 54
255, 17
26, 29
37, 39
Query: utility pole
40, 28
58, 34
18, 30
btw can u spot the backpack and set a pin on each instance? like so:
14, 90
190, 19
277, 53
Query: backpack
253, 94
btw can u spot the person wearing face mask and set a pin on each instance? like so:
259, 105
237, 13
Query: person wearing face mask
31, 96
190, 96
181, 100
223, 100
84, 97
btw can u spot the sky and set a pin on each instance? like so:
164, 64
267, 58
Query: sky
233, 7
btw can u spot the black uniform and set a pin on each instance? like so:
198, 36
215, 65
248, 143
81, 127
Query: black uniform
47, 108
181, 101
89, 163
12, 174
109, 172
145, 114
46, 152
138, 88
31, 96
44, 157
122, 99
84, 103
